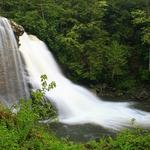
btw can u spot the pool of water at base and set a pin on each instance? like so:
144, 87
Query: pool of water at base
86, 132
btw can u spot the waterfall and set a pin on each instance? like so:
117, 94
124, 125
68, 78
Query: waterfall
75, 104
12, 81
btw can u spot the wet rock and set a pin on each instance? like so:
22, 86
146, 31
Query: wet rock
18, 30
142, 95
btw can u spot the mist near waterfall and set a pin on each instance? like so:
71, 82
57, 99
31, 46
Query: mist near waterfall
75, 104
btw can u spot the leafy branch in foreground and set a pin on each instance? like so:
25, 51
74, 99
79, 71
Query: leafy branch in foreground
43, 108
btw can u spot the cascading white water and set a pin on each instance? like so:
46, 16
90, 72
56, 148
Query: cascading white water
12, 83
75, 104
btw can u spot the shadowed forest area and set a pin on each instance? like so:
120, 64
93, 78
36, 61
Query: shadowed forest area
103, 44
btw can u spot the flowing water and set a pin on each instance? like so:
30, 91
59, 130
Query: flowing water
86, 132
76, 105
12, 83
82, 115
80, 112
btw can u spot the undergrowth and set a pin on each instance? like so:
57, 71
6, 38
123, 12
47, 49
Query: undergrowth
22, 130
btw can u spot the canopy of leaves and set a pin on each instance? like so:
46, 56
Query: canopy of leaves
102, 41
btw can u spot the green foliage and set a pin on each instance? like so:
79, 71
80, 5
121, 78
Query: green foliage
145, 75
22, 131
132, 139
126, 84
18, 128
98, 42
141, 19
40, 105
25, 119
116, 59
126, 140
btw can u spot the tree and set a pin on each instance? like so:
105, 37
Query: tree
141, 20
116, 59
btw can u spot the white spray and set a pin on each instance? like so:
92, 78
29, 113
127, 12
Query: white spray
75, 104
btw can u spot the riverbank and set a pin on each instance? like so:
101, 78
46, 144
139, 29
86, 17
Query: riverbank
22, 131
137, 94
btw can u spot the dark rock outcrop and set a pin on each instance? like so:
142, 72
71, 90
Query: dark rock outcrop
18, 30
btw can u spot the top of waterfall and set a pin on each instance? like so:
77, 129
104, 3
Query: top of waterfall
34, 38
2, 17
18, 29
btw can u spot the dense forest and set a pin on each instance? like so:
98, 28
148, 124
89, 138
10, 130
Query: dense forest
103, 44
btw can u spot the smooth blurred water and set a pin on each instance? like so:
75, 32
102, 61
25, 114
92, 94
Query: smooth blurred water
76, 105
12, 81
86, 132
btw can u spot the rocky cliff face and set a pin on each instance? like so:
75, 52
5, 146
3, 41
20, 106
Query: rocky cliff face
18, 30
